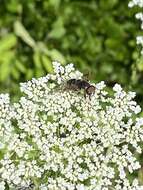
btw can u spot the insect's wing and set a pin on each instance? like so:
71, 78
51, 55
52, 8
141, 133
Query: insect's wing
86, 76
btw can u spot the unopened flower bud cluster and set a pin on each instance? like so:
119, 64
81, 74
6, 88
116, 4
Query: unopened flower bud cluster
139, 16
56, 139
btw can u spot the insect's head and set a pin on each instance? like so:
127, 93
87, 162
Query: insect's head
90, 90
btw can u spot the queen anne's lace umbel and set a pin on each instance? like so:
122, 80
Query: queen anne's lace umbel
56, 139
139, 16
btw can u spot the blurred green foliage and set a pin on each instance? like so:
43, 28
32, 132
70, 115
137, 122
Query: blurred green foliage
96, 35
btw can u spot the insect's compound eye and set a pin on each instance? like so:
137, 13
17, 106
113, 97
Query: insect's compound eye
90, 90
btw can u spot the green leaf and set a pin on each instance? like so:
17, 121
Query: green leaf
47, 64
55, 3
57, 33
29, 74
140, 64
58, 30
56, 55
4, 71
19, 65
7, 42
6, 60
37, 60
15, 73
23, 34
108, 4
14, 6
6, 56
39, 72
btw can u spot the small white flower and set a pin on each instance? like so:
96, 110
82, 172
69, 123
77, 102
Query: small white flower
137, 109
117, 88
100, 85
2, 185
133, 3
140, 40
80, 187
43, 187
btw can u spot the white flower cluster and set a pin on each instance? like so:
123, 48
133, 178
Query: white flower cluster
133, 3
56, 139
139, 16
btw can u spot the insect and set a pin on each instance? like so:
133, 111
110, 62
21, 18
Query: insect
79, 84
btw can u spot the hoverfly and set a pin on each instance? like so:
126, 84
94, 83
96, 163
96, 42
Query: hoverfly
79, 84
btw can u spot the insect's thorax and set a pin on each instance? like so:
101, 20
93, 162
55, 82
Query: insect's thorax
84, 84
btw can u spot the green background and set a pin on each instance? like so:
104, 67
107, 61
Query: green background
99, 36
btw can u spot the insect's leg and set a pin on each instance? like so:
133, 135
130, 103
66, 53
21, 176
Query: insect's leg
89, 97
85, 94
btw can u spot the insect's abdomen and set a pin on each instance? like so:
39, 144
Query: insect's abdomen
72, 84
78, 83
71, 81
